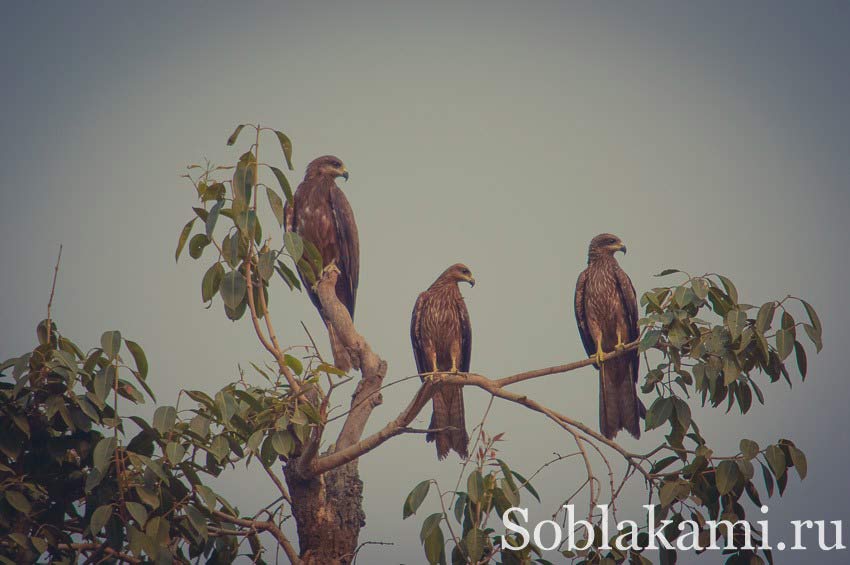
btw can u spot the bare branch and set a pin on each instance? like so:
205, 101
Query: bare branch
52, 292
261, 526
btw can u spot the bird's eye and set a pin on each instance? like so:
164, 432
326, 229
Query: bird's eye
336, 164
466, 271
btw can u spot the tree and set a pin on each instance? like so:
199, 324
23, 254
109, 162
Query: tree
78, 479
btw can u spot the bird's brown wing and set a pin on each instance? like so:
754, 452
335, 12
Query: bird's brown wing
465, 338
348, 246
581, 315
416, 337
628, 298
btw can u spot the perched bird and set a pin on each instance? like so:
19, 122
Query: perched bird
607, 316
320, 213
441, 335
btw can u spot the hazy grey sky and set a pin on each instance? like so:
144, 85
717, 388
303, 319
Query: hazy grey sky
711, 137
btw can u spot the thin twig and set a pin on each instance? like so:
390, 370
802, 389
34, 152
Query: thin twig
52, 291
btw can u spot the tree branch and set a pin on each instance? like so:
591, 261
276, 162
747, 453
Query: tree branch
92, 546
52, 292
262, 526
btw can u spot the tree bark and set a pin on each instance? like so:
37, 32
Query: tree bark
328, 511
328, 505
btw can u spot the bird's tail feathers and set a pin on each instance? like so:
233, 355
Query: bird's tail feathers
619, 406
449, 413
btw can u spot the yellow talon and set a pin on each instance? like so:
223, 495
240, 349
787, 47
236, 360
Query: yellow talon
600, 355
620, 344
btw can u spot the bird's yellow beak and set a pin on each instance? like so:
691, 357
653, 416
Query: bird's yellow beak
471, 280
343, 172
622, 247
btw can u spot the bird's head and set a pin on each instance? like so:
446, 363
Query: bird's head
605, 244
327, 166
459, 273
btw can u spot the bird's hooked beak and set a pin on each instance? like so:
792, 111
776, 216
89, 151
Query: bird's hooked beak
471, 280
344, 173
622, 247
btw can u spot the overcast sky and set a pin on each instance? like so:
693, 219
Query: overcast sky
710, 137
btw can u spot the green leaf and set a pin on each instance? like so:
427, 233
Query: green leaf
730, 370
784, 343
233, 289
230, 250
415, 498
815, 336
768, 480
164, 419
662, 464
649, 340
111, 343
184, 235
727, 476
666, 272
286, 146
764, 319
18, 501
175, 452
294, 245
276, 205
428, 525
668, 493
244, 178
683, 412
524, 483
475, 486
746, 468
700, 288
215, 191
40, 544
749, 448
798, 458
735, 322
283, 182
435, 547
211, 282
99, 518
199, 523
207, 494
226, 404
93, 479
220, 448
197, 244
475, 540
776, 459
813, 315
283, 443
658, 413
288, 276
139, 357
103, 453
232, 139
802, 362
138, 512
293, 363
21, 540
731, 291
212, 218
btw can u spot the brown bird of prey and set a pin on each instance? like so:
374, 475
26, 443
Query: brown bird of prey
442, 342
607, 316
320, 213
